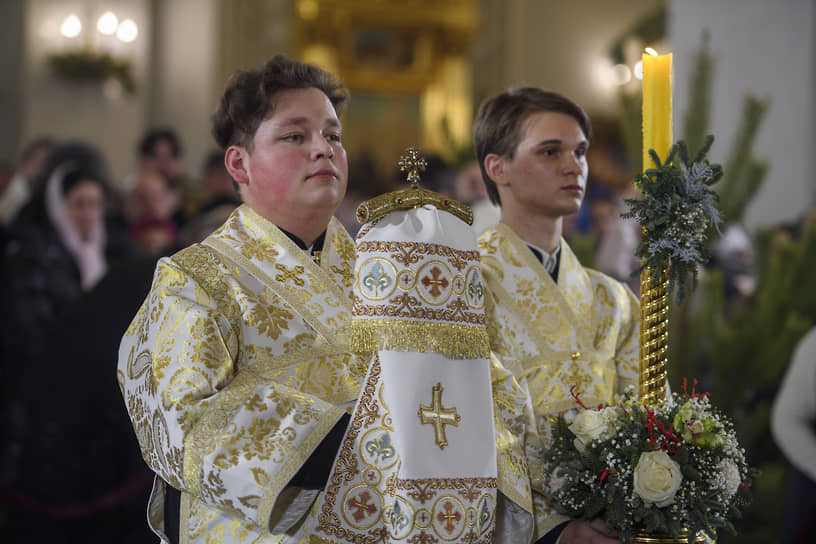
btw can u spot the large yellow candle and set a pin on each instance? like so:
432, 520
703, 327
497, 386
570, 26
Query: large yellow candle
657, 106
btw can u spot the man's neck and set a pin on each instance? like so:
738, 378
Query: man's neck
540, 231
306, 228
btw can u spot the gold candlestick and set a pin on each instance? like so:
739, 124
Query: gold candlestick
654, 334
643, 537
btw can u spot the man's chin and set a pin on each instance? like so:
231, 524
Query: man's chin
327, 199
568, 210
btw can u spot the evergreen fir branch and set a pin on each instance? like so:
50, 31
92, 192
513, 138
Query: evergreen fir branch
676, 210
742, 194
87, 65
753, 112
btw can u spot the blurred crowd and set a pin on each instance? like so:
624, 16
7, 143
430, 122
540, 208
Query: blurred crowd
78, 252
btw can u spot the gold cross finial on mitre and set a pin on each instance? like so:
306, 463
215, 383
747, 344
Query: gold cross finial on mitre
414, 163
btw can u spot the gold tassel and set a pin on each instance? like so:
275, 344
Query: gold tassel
452, 340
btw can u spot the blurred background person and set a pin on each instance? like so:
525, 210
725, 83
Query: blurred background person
616, 238
471, 190
365, 181
17, 192
793, 425
151, 211
59, 472
71, 471
219, 198
160, 149
438, 176
59, 246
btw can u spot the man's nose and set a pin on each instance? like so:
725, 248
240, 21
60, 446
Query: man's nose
572, 164
321, 148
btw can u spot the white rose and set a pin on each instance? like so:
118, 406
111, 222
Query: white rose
591, 425
657, 478
612, 415
731, 476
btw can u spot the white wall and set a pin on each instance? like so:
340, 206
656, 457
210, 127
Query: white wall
82, 111
175, 81
184, 88
769, 49
560, 46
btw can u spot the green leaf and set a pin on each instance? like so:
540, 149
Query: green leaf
595, 504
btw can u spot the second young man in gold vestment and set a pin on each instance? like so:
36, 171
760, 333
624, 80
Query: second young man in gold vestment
553, 323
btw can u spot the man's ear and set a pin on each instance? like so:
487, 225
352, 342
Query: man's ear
236, 159
494, 168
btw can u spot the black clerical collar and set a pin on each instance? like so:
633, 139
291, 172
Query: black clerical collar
551, 262
317, 245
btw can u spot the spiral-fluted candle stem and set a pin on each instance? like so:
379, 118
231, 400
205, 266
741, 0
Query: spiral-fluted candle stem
654, 333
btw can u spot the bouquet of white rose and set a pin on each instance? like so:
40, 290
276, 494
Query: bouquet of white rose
666, 469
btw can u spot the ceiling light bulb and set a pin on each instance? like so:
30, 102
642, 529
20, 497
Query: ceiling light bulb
638, 71
622, 74
107, 23
127, 31
71, 26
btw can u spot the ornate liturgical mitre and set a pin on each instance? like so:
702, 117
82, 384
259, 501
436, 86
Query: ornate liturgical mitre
418, 462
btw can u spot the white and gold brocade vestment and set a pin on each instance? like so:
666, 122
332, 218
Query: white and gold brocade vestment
235, 369
548, 337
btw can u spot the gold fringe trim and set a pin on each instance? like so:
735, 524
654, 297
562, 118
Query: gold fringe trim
450, 339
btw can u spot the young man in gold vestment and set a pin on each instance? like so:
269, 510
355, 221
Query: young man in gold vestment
553, 323
236, 371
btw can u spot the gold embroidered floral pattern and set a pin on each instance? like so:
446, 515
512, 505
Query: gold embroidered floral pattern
407, 253
551, 337
230, 377
407, 306
424, 490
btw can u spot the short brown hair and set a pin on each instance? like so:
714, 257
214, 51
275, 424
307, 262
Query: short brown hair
498, 124
249, 97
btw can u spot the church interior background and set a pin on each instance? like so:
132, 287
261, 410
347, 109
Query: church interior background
409, 65
417, 69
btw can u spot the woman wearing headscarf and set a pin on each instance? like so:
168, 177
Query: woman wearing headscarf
59, 246
62, 468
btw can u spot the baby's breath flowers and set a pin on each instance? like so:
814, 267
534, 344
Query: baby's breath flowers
660, 469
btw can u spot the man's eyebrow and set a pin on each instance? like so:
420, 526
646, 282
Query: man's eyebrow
556, 141
304, 120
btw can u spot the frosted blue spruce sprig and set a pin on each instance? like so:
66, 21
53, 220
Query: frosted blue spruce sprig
676, 212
